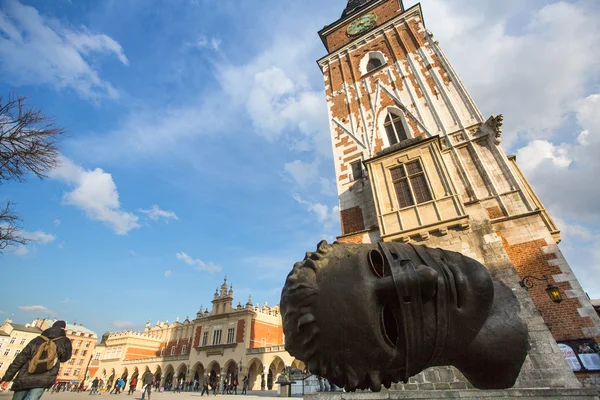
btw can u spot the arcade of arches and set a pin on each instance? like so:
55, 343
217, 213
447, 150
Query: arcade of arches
245, 340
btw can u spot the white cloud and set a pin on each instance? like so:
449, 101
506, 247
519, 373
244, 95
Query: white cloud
133, 253
61, 245
537, 151
123, 325
326, 215
168, 274
96, 194
204, 42
278, 104
38, 50
39, 237
20, 250
36, 309
57, 222
304, 174
198, 264
156, 213
564, 175
533, 75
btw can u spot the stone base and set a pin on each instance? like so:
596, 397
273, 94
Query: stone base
528, 394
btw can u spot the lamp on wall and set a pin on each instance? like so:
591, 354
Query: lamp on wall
553, 291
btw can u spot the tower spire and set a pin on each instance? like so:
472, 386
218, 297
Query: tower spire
354, 5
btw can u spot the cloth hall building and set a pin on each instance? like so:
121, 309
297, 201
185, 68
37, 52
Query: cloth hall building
417, 162
245, 340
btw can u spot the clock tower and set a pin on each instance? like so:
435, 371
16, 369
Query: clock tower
416, 161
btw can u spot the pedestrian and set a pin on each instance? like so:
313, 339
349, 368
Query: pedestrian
95, 384
262, 382
245, 387
132, 385
321, 387
147, 380
235, 385
326, 384
38, 364
205, 387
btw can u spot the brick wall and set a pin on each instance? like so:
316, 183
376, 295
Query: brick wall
137, 354
241, 327
352, 220
272, 334
384, 12
178, 346
197, 336
562, 319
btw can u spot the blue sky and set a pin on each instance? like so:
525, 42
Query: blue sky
198, 145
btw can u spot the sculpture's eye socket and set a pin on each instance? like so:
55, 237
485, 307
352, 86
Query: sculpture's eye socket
376, 262
389, 325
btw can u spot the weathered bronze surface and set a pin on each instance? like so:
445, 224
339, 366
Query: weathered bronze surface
363, 315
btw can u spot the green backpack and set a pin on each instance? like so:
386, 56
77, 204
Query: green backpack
45, 358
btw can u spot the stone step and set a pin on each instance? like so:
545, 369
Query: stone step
528, 394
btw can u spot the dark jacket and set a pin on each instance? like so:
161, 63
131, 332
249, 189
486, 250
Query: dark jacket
25, 380
147, 378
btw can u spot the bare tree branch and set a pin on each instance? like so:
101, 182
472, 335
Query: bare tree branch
28, 144
10, 227
28, 140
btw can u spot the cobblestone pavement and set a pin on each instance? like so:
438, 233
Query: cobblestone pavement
263, 395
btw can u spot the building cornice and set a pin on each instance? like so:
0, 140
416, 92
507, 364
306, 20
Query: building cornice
414, 10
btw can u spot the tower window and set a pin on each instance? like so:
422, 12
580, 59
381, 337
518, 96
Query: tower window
410, 184
357, 171
373, 63
394, 128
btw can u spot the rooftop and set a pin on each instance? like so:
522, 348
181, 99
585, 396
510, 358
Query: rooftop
26, 328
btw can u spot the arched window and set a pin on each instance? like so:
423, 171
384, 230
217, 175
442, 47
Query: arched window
394, 128
372, 61
373, 64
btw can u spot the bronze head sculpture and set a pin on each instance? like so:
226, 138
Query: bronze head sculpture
363, 315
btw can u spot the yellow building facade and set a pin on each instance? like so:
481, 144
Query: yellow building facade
242, 340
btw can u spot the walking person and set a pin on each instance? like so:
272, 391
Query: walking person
132, 385
38, 364
147, 380
245, 387
205, 387
235, 384
95, 384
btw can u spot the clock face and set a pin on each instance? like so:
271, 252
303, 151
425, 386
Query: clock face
361, 24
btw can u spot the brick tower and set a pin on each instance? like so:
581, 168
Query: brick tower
416, 161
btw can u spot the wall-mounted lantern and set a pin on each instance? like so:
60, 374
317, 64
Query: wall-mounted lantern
553, 291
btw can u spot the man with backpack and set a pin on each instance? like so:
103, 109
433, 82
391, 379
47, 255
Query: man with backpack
39, 362
147, 380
